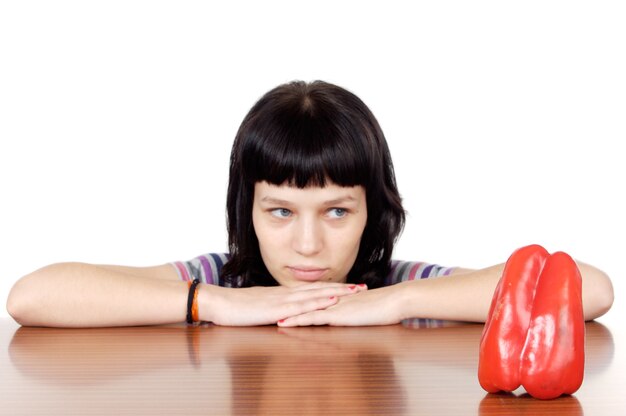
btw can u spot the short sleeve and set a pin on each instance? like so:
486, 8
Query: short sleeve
206, 268
402, 271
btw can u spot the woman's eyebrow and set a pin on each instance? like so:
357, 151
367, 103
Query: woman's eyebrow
275, 201
340, 200
283, 202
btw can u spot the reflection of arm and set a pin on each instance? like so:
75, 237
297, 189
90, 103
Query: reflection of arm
454, 345
423, 345
97, 354
109, 353
86, 295
56, 354
466, 295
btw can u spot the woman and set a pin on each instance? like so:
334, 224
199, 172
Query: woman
313, 214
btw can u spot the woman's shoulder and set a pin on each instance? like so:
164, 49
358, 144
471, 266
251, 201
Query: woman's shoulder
402, 271
205, 267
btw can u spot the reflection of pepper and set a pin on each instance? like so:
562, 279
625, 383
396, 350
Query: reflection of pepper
512, 405
534, 333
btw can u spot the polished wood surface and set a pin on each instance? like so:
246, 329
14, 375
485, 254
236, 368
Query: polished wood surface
408, 369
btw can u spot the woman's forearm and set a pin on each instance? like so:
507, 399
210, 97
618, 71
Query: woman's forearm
467, 296
462, 297
86, 295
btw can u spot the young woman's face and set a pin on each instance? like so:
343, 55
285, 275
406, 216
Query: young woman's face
310, 234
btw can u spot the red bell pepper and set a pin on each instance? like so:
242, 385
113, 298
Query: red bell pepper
534, 333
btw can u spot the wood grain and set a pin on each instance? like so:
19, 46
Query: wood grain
421, 367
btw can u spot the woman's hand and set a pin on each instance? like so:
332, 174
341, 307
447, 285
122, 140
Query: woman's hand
372, 307
269, 305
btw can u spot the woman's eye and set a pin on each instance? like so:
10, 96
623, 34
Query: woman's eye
280, 212
338, 212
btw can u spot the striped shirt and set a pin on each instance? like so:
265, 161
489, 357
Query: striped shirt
207, 267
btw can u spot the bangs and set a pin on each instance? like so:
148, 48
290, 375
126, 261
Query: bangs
306, 150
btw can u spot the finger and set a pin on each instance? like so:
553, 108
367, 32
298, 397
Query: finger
300, 307
321, 285
319, 317
323, 292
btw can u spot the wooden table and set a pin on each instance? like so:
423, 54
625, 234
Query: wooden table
416, 368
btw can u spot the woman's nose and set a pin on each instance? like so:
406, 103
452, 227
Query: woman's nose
307, 237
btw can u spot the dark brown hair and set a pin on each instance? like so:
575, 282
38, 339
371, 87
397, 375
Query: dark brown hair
305, 134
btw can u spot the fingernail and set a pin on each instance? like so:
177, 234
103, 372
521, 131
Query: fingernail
332, 297
352, 287
362, 285
281, 321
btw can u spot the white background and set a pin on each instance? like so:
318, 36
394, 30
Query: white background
506, 122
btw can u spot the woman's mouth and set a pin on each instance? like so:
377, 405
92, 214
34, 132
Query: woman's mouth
307, 273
